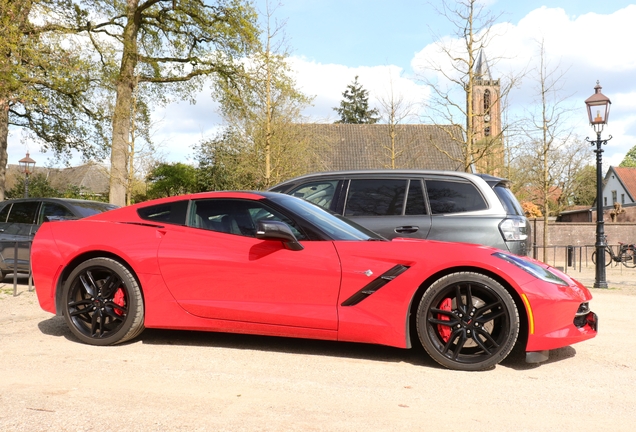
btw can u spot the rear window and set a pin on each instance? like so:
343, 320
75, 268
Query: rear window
508, 200
172, 213
454, 197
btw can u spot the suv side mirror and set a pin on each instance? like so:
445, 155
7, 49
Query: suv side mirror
276, 230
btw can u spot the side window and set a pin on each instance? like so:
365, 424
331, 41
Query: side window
53, 212
375, 197
453, 197
415, 200
233, 216
23, 212
319, 193
172, 213
4, 213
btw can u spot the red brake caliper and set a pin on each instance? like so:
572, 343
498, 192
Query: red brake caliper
444, 331
118, 299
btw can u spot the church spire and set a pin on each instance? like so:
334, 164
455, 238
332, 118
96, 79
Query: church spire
482, 70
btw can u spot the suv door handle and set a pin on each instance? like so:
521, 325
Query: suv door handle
406, 229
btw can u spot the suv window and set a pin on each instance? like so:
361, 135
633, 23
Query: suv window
54, 211
453, 197
377, 197
4, 213
508, 200
23, 212
319, 193
415, 204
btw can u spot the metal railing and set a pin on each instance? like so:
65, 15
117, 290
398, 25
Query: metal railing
574, 257
16, 245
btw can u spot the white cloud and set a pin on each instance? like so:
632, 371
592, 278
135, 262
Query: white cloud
327, 82
587, 48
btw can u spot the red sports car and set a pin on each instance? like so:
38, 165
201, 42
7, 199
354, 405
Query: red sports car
268, 263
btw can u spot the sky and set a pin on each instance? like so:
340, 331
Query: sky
332, 41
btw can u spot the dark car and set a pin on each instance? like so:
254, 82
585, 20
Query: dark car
21, 218
426, 204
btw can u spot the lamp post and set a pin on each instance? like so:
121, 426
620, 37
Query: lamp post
26, 167
598, 107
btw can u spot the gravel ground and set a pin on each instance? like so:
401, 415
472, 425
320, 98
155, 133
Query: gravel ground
177, 380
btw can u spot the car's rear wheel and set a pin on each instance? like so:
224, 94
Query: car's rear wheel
103, 303
467, 321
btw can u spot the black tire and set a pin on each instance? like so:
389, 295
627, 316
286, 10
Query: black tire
458, 340
608, 258
628, 258
103, 303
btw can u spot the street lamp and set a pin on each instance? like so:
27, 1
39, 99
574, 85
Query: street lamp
26, 167
598, 108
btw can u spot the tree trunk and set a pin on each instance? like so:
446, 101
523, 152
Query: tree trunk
121, 117
4, 141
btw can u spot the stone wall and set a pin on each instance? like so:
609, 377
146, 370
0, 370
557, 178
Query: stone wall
581, 233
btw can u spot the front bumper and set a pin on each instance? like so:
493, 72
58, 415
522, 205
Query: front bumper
588, 323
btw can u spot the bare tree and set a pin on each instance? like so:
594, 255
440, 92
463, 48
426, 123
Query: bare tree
456, 78
261, 108
553, 155
394, 109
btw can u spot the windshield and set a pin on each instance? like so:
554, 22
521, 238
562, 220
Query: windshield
338, 228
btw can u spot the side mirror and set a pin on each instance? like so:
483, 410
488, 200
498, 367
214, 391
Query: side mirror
276, 230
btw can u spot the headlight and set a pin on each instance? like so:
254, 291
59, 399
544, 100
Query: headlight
532, 268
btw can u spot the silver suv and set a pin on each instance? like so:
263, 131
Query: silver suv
427, 204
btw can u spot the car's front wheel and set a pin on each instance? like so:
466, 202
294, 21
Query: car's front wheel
103, 303
467, 321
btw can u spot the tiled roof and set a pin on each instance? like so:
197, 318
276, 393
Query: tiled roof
367, 146
91, 177
628, 177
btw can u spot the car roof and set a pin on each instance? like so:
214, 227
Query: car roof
66, 200
491, 180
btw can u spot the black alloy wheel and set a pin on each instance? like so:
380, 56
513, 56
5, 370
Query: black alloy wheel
103, 303
467, 321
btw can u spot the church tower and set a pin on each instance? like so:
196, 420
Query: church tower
487, 119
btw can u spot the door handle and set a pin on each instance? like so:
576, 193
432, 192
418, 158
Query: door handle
406, 229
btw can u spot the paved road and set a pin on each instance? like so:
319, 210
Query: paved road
178, 380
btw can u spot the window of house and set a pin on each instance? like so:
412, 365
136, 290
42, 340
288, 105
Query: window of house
605, 201
614, 199
622, 198
486, 101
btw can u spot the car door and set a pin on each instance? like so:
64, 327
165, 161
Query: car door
17, 230
392, 207
217, 268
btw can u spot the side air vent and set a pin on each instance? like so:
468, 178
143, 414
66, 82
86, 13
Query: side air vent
375, 285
